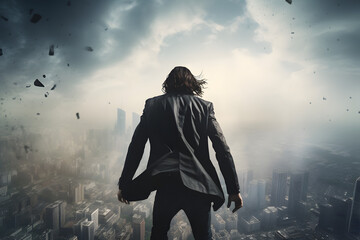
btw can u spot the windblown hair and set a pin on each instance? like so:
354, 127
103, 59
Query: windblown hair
181, 80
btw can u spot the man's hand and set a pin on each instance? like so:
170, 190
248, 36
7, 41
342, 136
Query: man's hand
121, 198
237, 199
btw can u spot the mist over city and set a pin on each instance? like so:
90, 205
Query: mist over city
283, 77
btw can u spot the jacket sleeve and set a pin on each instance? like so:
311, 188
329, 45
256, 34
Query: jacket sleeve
222, 152
135, 151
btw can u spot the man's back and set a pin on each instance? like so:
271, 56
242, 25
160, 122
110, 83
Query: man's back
178, 127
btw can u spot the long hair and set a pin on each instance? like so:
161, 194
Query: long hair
181, 80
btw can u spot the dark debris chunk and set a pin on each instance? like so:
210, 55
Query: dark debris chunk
51, 50
88, 48
53, 87
77, 115
38, 83
4, 18
35, 18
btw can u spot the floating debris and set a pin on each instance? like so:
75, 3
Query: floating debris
15, 83
292, 32
27, 148
88, 48
309, 102
347, 110
51, 50
38, 114
35, 18
44, 76
1, 52
68, 65
289, 1
13, 98
46, 94
324, 98
38, 83
350, 97
77, 115
53, 87
5, 18
29, 85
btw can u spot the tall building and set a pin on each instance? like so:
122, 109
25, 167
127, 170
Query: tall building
52, 216
256, 196
278, 188
298, 190
354, 226
76, 192
138, 227
93, 215
78, 228
341, 213
245, 176
121, 122
88, 231
62, 213
269, 217
326, 216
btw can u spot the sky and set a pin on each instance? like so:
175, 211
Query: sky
284, 78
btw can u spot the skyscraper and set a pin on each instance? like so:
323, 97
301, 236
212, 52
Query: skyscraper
88, 231
278, 189
298, 189
93, 215
354, 226
52, 217
138, 227
121, 121
76, 192
62, 213
245, 176
256, 197
341, 211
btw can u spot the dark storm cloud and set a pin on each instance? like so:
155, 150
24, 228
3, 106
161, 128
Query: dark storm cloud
333, 29
70, 29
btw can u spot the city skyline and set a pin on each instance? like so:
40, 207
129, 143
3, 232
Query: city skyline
283, 78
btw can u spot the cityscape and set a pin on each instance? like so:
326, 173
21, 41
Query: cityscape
283, 77
75, 198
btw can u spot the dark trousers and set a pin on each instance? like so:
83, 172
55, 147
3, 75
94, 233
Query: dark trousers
171, 197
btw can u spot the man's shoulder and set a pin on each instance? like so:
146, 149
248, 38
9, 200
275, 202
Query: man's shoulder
154, 99
190, 97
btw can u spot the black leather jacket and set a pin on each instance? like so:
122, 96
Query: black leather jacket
178, 127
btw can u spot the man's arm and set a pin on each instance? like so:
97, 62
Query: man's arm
135, 152
223, 154
225, 161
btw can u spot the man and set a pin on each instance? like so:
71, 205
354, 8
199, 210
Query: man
178, 124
